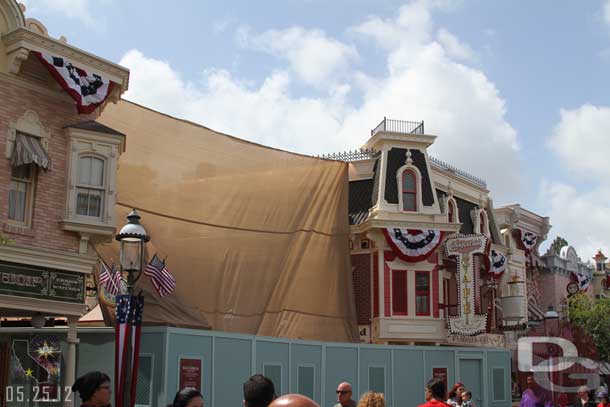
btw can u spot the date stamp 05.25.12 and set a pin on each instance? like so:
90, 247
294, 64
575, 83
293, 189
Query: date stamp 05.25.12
36, 394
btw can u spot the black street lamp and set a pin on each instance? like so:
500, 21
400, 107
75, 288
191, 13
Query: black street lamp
133, 238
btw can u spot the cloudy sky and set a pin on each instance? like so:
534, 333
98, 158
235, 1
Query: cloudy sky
519, 96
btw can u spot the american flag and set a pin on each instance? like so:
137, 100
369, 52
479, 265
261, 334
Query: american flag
161, 278
110, 279
128, 328
123, 316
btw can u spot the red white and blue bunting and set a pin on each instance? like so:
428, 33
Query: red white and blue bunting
497, 263
527, 240
413, 245
88, 90
582, 279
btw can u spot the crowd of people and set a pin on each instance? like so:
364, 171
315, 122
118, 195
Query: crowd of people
535, 396
95, 390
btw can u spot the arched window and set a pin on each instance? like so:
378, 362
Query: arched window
450, 211
409, 190
90, 188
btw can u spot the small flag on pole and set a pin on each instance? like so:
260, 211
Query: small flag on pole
110, 279
161, 278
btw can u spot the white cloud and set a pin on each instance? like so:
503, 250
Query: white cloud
583, 219
607, 12
75, 9
454, 47
424, 81
581, 140
311, 54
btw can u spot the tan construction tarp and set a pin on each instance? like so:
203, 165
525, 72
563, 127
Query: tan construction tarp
257, 238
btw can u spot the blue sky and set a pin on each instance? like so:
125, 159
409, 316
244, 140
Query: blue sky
517, 95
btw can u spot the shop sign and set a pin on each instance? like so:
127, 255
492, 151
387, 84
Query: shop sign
190, 373
464, 247
41, 282
484, 340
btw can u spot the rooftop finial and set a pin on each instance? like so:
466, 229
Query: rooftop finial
409, 160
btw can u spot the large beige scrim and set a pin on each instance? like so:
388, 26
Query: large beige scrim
257, 238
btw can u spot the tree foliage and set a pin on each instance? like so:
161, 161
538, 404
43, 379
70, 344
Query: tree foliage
5, 240
558, 243
593, 316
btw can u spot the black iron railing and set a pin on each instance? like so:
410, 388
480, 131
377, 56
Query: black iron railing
460, 173
399, 126
356, 155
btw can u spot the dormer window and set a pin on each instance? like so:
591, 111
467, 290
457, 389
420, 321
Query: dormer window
90, 187
409, 190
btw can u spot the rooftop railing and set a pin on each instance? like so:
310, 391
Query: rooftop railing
460, 173
399, 126
348, 156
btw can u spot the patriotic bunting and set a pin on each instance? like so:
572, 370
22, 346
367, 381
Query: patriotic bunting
413, 245
127, 331
527, 240
497, 263
582, 279
160, 277
88, 90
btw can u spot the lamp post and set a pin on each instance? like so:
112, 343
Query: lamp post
133, 238
551, 328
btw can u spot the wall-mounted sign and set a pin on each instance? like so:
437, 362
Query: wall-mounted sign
483, 340
41, 282
440, 373
190, 373
464, 247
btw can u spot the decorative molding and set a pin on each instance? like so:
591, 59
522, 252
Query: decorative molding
15, 59
38, 256
14, 13
49, 307
29, 124
22, 38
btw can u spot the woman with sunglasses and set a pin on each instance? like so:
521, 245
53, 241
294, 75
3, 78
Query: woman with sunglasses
94, 389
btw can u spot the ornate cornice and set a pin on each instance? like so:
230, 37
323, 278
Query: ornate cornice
23, 40
38, 256
17, 18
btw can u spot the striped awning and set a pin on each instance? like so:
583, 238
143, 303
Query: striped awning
28, 150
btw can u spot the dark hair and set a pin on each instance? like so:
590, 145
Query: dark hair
468, 393
437, 388
453, 392
184, 396
88, 383
258, 391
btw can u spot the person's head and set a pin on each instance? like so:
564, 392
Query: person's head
602, 396
188, 397
293, 400
435, 389
530, 381
344, 393
94, 388
258, 391
372, 399
456, 390
466, 395
583, 392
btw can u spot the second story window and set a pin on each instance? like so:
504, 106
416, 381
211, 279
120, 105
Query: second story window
409, 191
21, 194
451, 212
422, 293
90, 188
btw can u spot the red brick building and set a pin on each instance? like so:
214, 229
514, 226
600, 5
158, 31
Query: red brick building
57, 171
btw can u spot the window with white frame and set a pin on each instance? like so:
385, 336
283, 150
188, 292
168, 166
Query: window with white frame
409, 190
91, 186
21, 194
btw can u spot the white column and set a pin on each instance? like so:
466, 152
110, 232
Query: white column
72, 340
